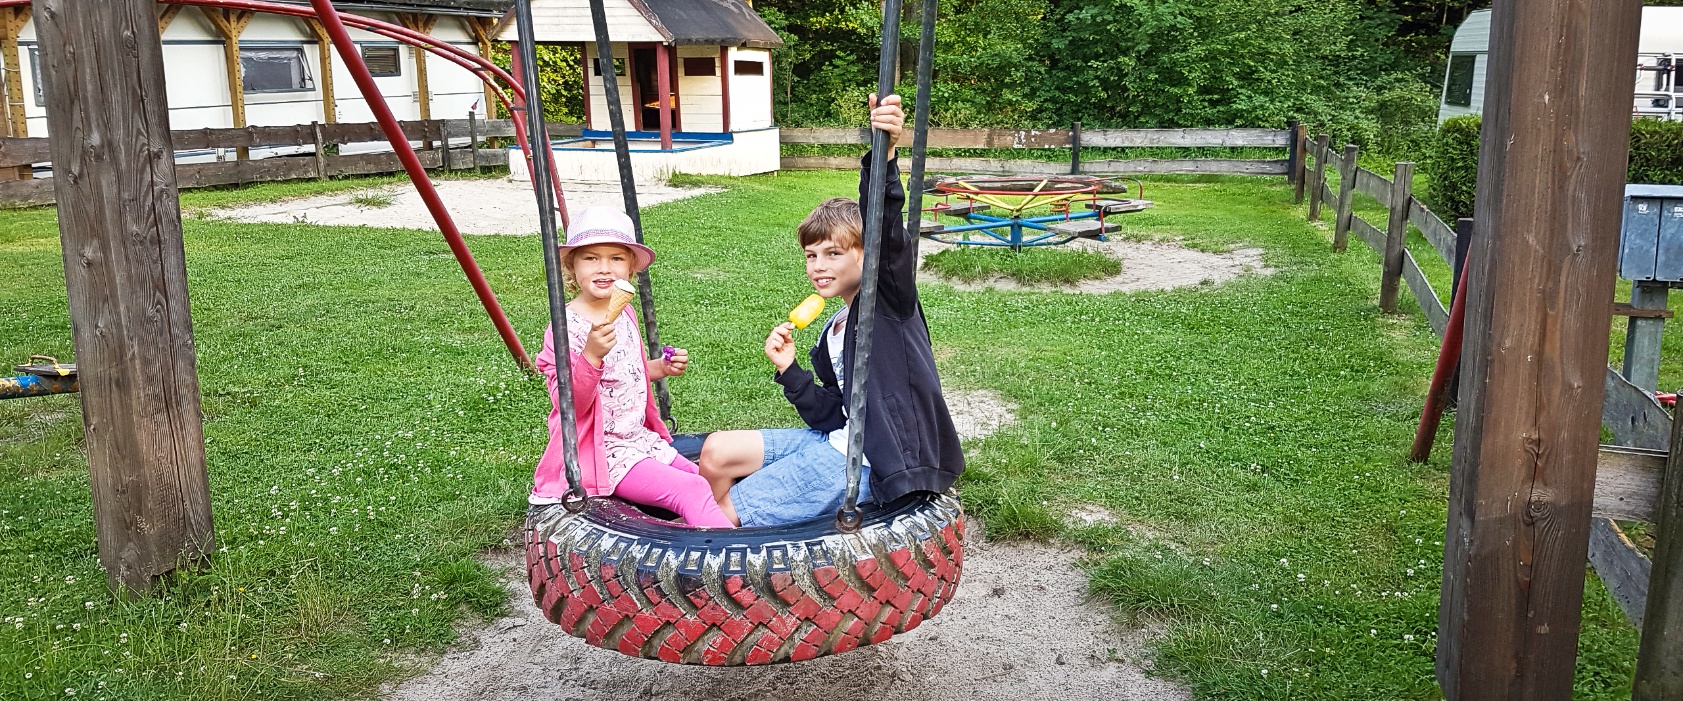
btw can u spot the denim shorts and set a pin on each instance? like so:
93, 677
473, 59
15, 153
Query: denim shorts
803, 477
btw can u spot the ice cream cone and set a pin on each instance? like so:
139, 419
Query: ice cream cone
623, 292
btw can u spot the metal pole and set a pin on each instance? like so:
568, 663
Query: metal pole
920, 120
544, 187
418, 175
628, 189
858, 374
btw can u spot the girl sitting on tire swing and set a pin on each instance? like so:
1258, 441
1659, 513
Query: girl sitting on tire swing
792, 475
624, 448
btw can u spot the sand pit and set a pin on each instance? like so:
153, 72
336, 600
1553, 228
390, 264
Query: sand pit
1020, 628
493, 206
1146, 265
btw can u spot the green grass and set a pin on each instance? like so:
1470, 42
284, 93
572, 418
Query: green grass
372, 200
1249, 438
1041, 266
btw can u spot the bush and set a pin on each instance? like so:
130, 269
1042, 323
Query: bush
1656, 156
1452, 167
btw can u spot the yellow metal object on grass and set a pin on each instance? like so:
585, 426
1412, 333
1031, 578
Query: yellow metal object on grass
803, 314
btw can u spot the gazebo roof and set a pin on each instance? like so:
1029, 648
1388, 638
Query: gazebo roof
678, 22
479, 8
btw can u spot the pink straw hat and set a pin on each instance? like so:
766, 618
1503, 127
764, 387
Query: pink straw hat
598, 225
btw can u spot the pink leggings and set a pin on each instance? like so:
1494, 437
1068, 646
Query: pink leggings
677, 487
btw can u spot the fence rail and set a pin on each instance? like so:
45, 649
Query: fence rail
1074, 139
318, 162
1627, 478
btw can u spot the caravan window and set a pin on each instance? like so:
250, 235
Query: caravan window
276, 69
1459, 90
382, 61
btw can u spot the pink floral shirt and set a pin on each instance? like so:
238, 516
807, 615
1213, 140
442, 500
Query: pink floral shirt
622, 394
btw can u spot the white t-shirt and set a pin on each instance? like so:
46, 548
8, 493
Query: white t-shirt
836, 332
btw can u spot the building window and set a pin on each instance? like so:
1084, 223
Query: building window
596, 67
382, 61
1459, 90
699, 67
750, 68
278, 69
35, 75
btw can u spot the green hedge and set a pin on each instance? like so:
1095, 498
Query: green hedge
1451, 165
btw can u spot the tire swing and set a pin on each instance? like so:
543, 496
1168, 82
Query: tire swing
622, 579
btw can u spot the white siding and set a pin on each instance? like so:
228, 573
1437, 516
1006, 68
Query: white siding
699, 99
1473, 36
568, 21
196, 83
750, 95
598, 95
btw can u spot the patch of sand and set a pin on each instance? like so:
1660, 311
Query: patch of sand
1146, 265
977, 413
493, 206
1020, 628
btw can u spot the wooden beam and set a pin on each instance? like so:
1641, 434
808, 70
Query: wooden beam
1396, 234
663, 90
480, 28
231, 24
324, 59
1627, 483
1623, 569
724, 89
1347, 169
1550, 182
1318, 183
1624, 309
422, 23
17, 119
125, 270
1659, 662
166, 15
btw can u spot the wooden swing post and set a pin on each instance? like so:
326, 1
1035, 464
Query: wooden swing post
1550, 182
125, 270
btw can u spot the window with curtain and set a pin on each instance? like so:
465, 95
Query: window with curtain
275, 69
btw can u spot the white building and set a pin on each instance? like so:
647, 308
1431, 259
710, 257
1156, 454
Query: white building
710, 58
279, 66
1659, 80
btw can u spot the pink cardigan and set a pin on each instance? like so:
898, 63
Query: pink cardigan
550, 479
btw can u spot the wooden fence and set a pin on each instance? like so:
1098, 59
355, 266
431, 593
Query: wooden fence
1073, 139
320, 161
1628, 475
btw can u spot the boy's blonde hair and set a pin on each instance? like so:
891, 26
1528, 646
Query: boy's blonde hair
836, 220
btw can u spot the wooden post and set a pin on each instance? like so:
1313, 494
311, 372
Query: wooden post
1396, 234
584, 60
120, 228
321, 151
473, 141
1323, 144
324, 59
1551, 177
166, 16
724, 89
12, 20
1299, 158
480, 28
422, 23
663, 86
1659, 662
1346, 187
231, 24
1642, 335
443, 144
1075, 148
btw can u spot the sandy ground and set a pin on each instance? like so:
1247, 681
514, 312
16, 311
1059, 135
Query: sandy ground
1146, 265
497, 206
1020, 628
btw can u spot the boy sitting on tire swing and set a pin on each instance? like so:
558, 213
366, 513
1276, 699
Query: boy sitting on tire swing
792, 475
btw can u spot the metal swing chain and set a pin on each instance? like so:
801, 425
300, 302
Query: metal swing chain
628, 190
575, 498
848, 518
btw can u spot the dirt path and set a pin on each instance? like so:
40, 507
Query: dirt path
1020, 628
497, 206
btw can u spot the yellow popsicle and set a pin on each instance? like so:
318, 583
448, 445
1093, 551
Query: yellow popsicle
803, 314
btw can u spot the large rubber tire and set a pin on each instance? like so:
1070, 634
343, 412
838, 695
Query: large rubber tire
626, 581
